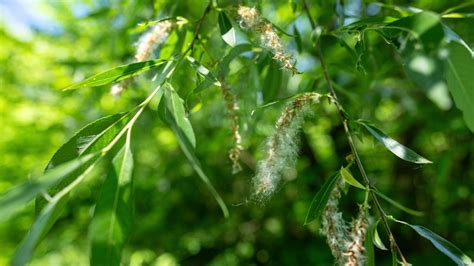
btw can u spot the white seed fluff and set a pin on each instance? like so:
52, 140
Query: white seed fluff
150, 40
282, 147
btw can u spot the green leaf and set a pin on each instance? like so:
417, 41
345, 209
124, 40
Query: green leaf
443, 245
91, 138
41, 226
273, 81
282, 31
144, 25
299, 42
425, 27
203, 71
79, 143
377, 240
45, 220
169, 116
321, 198
224, 23
237, 50
117, 74
112, 222
396, 148
453, 36
349, 178
398, 205
228, 33
369, 246
175, 106
14, 199
459, 71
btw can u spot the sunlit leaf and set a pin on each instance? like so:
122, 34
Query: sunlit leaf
321, 198
203, 71
117, 74
169, 116
396, 148
175, 105
144, 25
398, 205
227, 31
453, 36
46, 218
460, 68
349, 178
13, 200
112, 222
91, 138
41, 226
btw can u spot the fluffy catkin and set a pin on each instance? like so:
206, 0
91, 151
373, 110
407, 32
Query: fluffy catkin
282, 147
232, 109
354, 255
333, 225
250, 19
150, 40
145, 46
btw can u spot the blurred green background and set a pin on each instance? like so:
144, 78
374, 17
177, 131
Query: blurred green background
48, 45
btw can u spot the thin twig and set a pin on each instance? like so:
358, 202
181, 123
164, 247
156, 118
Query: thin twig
198, 27
348, 132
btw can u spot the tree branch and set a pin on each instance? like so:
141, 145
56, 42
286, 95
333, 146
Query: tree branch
348, 132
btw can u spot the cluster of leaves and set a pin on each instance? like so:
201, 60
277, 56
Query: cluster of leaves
104, 147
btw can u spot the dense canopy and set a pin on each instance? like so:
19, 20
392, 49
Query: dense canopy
236, 132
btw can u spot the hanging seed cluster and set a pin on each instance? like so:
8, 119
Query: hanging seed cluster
232, 111
282, 147
250, 19
346, 247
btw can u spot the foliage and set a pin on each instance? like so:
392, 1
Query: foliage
218, 79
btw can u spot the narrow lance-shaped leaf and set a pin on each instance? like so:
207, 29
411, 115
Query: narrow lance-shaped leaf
203, 71
396, 148
43, 223
170, 117
369, 246
112, 222
460, 67
398, 205
227, 31
91, 138
176, 107
321, 198
298, 40
117, 74
223, 65
377, 240
14, 199
349, 178
443, 245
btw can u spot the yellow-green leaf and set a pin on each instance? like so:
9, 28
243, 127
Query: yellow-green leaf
349, 178
117, 74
